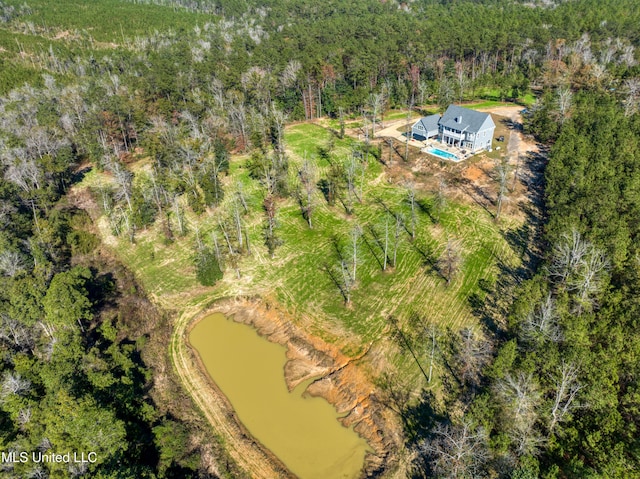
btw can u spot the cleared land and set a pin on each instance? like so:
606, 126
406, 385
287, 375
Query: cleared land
296, 277
414, 290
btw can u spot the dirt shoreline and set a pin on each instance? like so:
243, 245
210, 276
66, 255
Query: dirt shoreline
338, 379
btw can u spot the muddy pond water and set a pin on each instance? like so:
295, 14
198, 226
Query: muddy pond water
302, 431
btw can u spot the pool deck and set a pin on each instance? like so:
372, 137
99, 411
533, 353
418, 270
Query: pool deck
460, 154
391, 130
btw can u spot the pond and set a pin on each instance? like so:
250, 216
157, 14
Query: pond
302, 431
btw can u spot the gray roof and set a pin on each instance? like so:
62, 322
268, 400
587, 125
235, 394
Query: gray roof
462, 119
454, 125
430, 123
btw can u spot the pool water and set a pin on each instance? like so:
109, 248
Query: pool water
442, 154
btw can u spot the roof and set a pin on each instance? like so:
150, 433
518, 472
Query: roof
464, 119
454, 125
430, 123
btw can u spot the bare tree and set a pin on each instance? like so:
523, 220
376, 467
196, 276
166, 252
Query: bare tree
11, 263
289, 75
457, 451
376, 102
451, 259
462, 78
233, 254
567, 256
542, 323
440, 201
411, 196
367, 136
216, 248
123, 179
396, 237
446, 92
578, 265
179, 215
307, 176
347, 280
24, 417
270, 209
350, 171
407, 132
22, 171
356, 233
424, 91
342, 276
341, 121
386, 243
238, 116
471, 354
390, 148
564, 101
14, 383
632, 99
238, 223
566, 387
520, 398
15, 333
278, 119
590, 277
433, 333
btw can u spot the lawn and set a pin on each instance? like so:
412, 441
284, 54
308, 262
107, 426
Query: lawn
298, 278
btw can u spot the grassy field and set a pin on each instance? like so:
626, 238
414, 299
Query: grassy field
109, 20
493, 95
297, 278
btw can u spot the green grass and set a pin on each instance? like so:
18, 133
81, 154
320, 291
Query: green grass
527, 100
396, 115
109, 20
296, 276
487, 104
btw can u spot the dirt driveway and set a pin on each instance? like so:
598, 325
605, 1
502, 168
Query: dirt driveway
517, 142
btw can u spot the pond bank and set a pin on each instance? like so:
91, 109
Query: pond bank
333, 376
302, 431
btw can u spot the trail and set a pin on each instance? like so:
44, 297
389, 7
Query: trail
240, 445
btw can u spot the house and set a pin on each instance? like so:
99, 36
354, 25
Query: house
425, 128
460, 127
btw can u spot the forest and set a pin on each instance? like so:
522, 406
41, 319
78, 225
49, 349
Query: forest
202, 131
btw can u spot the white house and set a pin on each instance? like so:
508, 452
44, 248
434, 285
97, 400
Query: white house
459, 127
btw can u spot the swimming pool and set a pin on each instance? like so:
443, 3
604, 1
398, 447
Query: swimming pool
442, 154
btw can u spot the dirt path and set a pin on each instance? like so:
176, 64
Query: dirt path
258, 462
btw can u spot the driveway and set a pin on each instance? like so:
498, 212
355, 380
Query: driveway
391, 130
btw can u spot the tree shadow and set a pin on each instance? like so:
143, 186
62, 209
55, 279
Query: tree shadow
429, 259
102, 289
494, 299
427, 208
335, 279
421, 417
331, 272
477, 194
78, 175
417, 417
372, 250
379, 243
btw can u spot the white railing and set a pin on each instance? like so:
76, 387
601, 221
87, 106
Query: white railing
452, 134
